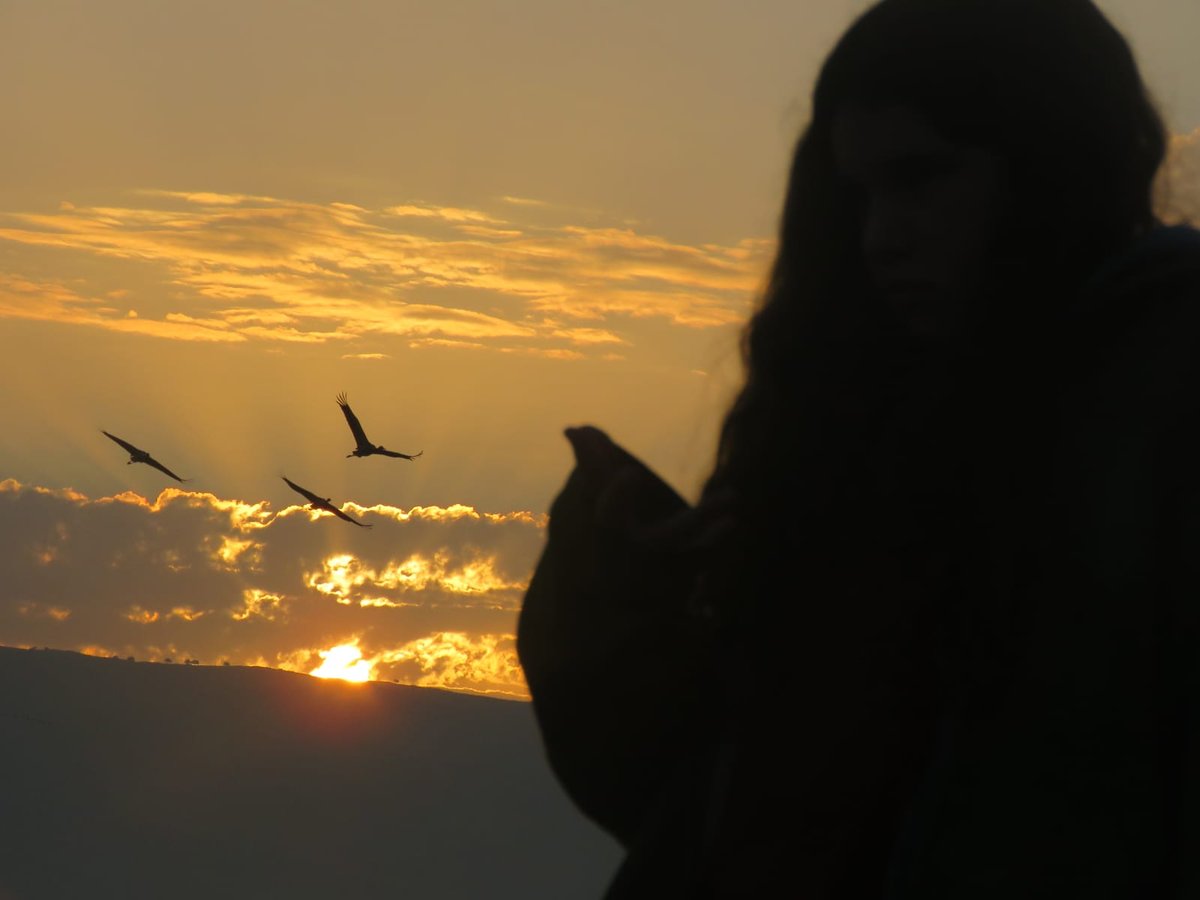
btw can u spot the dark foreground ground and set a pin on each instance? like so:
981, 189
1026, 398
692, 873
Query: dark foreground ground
141, 780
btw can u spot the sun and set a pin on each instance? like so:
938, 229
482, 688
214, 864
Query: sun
343, 661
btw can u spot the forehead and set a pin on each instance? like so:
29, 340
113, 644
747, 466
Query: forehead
867, 140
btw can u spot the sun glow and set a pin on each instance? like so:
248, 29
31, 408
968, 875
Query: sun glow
343, 661
347, 579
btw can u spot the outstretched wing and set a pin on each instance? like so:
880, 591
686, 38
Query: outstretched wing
321, 502
360, 436
400, 455
154, 462
312, 498
341, 515
128, 446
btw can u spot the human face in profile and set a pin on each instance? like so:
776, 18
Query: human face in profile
929, 214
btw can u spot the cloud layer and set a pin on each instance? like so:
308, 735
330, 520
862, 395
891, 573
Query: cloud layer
428, 596
233, 268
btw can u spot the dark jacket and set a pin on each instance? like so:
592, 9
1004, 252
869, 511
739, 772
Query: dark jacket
1063, 758
1071, 764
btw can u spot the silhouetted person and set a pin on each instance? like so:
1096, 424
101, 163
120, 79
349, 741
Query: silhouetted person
932, 629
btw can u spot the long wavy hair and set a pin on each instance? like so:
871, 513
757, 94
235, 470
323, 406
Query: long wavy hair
1053, 89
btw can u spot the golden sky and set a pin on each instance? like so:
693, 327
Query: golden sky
483, 221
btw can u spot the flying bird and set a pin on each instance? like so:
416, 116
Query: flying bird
365, 447
137, 455
326, 504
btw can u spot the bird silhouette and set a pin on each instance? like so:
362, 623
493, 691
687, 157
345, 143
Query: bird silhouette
137, 455
365, 447
325, 503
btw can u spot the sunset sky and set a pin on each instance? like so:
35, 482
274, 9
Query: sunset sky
483, 221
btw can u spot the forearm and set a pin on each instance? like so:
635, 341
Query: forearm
612, 658
616, 698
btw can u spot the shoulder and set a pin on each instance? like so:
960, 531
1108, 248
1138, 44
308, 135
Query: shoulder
1139, 312
1160, 266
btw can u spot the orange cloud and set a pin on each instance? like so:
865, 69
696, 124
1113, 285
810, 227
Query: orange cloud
259, 603
485, 663
523, 201
97, 650
36, 610
242, 516
452, 660
232, 550
349, 581
446, 213
234, 267
49, 301
189, 575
